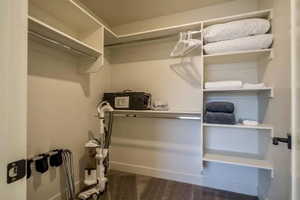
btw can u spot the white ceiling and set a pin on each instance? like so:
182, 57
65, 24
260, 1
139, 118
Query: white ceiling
117, 12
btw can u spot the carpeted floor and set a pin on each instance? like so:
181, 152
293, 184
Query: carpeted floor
125, 186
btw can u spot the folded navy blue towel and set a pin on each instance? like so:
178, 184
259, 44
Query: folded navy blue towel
220, 106
219, 118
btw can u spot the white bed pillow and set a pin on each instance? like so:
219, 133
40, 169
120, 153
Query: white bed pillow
256, 42
236, 29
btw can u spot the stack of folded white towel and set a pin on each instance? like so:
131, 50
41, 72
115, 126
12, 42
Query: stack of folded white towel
233, 85
242, 35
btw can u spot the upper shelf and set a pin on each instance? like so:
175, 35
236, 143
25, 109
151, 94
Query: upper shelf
267, 14
44, 30
67, 12
66, 24
112, 38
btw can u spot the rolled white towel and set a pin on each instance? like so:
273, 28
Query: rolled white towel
223, 84
236, 29
250, 122
241, 44
254, 86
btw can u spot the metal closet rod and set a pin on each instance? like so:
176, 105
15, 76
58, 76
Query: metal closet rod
184, 117
148, 39
40, 36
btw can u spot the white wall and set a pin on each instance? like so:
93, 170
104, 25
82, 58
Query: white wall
277, 73
218, 10
61, 108
171, 149
13, 87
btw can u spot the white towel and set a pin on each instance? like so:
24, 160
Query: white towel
254, 86
250, 123
223, 84
241, 44
236, 29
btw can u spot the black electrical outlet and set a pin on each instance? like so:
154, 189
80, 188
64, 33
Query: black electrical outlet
16, 171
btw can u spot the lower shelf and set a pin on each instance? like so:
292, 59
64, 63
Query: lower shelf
241, 126
239, 159
244, 90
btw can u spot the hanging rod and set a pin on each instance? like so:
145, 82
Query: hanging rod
40, 36
148, 39
183, 117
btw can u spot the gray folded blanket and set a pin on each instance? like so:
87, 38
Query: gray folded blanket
219, 118
220, 106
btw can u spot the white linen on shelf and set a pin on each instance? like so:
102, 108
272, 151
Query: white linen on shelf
254, 86
241, 44
236, 29
223, 84
250, 122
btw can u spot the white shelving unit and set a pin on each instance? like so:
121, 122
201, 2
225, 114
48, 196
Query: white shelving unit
63, 23
236, 158
232, 158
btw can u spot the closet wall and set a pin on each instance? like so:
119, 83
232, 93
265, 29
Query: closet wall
173, 147
277, 73
61, 104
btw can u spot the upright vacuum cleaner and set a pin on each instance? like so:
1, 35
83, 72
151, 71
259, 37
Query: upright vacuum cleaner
98, 151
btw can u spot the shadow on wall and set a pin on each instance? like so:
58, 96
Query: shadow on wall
57, 64
141, 51
188, 71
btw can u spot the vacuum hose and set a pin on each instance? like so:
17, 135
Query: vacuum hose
69, 172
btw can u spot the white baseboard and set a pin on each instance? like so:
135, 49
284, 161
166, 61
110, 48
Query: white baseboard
58, 195
158, 173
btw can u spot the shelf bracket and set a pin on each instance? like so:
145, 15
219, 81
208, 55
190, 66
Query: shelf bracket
270, 17
272, 133
272, 173
271, 93
271, 55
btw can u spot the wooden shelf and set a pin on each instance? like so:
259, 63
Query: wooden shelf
241, 126
112, 38
236, 57
237, 90
67, 12
239, 159
47, 31
267, 14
